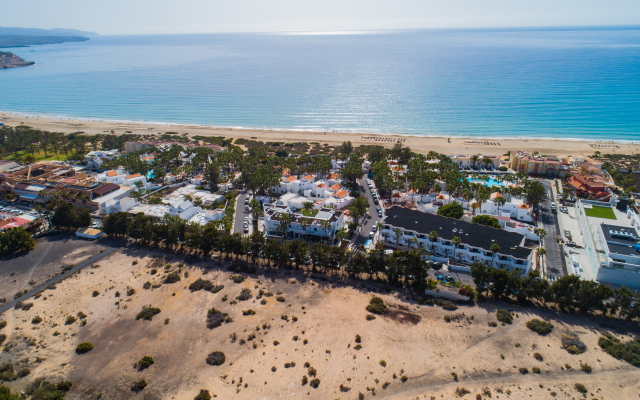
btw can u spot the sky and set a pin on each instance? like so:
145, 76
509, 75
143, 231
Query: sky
116, 17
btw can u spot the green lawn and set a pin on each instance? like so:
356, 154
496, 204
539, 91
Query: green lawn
39, 156
600, 212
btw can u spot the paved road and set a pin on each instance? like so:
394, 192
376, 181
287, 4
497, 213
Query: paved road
58, 278
555, 262
370, 219
241, 212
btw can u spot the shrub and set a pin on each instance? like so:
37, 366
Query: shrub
147, 313
138, 385
36, 320
237, 278
357, 347
84, 348
23, 372
81, 315
581, 388
447, 318
172, 278
3, 324
572, 345
70, 320
95, 293
535, 370
145, 362
312, 371
493, 324
281, 299
305, 380
539, 326
245, 294
460, 392
455, 376
216, 358
586, 368
203, 395
523, 370
147, 285
370, 317
248, 312
383, 363
275, 343
629, 351
315, 382
449, 306
131, 291
215, 318
201, 284
217, 288
284, 317
344, 388
358, 339
504, 316
403, 378
376, 306
538, 356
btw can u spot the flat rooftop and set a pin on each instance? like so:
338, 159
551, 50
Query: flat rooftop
621, 239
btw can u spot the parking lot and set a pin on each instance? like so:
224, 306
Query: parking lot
372, 216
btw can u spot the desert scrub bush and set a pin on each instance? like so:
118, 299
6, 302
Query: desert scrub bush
538, 356
153, 271
284, 317
275, 343
95, 293
403, 378
492, 324
535, 370
504, 316
3, 324
83, 348
36, 320
376, 306
3, 337
70, 320
147, 313
263, 301
370, 317
145, 362
449, 306
447, 318
315, 382
117, 294
130, 291
281, 299
81, 315
248, 312
237, 278
358, 339
344, 388
357, 347
245, 294
172, 278
216, 289
461, 392
274, 369
216, 358
201, 284
383, 363
581, 388
586, 368
138, 385
203, 395
215, 318
455, 376
629, 351
147, 285
523, 370
290, 364
539, 326
305, 380
312, 371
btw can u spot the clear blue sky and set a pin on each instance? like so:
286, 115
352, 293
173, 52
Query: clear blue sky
198, 16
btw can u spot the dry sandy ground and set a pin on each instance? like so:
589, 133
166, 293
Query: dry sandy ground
422, 144
423, 347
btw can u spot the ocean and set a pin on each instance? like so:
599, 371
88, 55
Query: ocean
561, 83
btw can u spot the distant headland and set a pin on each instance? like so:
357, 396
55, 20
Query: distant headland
10, 60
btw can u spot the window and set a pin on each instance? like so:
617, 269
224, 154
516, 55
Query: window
519, 262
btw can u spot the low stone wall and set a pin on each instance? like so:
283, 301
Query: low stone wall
446, 293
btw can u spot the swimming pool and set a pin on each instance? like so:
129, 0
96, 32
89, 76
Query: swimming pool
490, 182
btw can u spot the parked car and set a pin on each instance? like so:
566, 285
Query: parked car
450, 278
440, 278
564, 210
371, 234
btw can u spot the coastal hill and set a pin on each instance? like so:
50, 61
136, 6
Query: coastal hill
10, 60
22, 37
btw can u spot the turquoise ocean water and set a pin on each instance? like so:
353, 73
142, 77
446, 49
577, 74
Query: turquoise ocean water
568, 83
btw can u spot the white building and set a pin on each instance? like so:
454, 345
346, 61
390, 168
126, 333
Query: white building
123, 204
515, 208
476, 240
96, 158
121, 177
295, 229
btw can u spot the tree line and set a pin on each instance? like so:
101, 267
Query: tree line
15, 239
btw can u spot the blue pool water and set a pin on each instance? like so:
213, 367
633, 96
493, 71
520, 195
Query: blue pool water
490, 182
569, 83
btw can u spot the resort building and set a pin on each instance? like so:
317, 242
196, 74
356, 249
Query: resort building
549, 166
95, 159
322, 223
466, 162
122, 177
408, 228
611, 242
593, 187
515, 208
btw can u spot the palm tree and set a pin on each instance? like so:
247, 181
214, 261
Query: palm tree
398, 233
283, 227
474, 159
379, 226
456, 242
540, 251
495, 248
500, 201
433, 236
474, 207
342, 234
307, 205
541, 233
414, 242
325, 225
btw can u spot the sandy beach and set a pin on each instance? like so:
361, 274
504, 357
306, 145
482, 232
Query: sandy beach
423, 144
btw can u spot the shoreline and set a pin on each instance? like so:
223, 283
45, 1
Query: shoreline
446, 144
